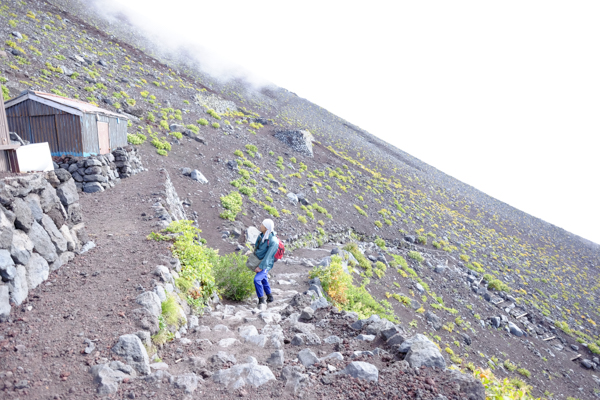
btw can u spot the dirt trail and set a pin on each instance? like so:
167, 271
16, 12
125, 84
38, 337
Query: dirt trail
90, 298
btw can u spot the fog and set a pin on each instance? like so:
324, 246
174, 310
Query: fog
501, 95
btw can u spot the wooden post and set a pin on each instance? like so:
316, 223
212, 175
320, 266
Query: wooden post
548, 338
576, 357
521, 316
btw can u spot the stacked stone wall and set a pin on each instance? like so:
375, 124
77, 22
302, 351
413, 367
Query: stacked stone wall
41, 229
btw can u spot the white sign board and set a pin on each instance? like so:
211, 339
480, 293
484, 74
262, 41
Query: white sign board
35, 157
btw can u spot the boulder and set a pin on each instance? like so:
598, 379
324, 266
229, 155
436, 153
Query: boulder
48, 197
470, 387
7, 265
375, 328
434, 320
514, 329
18, 286
362, 370
307, 357
144, 319
188, 382
71, 245
131, 348
294, 379
6, 232
4, 303
55, 235
23, 216
92, 187
67, 192
244, 374
33, 201
37, 271
292, 198
275, 360
42, 242
21, 247
425, 353
151, 302
197, 176
107, 379
300, 141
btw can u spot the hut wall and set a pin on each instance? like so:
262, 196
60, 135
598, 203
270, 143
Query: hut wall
4, 138
89, 134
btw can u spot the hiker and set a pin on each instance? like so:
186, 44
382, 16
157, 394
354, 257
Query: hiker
265, 248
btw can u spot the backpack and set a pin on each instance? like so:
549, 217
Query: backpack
280, 250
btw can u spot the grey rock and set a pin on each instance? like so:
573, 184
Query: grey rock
397, 339
514, 329
7, 266
18, 286
434, 320
362, 370
42, 242
144, 337
466, 339
332, 339
440, 269
587, 363
4, 303
405, 346
333, 356
6, 231
144, 319
151, 302
33, 201
307, 313
92, 187
37, 271
91, 162
186, 171
386, 334
222, 358
21, 247
376, 327
243, 374
67, 192
55, 235
107, 379
276, 359
71, 245
23, 216
188, 382
495, 322
365, 338
134, 353
574, 347
425, 353
197, 176
95, 178
292, 198
321, 302
307, 357
294, 379
300, 141
470, 387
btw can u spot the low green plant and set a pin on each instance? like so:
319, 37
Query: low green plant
137, 138
509, 365
381, 243
524, 372
415, 255
232, 204
233, 279
202, 122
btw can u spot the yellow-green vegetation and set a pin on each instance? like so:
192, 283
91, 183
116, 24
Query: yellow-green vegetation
381, 243
363, 262
302, 219
215, 125
202, 122
232, 203
415, 255
233, 278
5, 93
136, 138
509, 365
361, 211
380, 269
524, 372
501, 389
344, 294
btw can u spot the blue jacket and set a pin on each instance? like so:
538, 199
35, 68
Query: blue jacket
266, 251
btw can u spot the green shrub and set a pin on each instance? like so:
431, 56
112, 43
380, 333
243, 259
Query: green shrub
415, 255
378, 224
234, 280
215, 125
137, 138
497, 284
193, 128
381, 243
232, 204
172, 312
509, 366
422, 239
202, 122
524, 372
178, 135
302, 219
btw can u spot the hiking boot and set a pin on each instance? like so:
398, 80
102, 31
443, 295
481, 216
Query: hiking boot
269, 298
261, 300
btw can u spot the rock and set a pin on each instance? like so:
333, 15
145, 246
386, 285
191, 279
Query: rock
292, 198
18, 286
495, 322
186, 171
386, 334
197, 176
222, 358
37, 271
300, 141
333, 356
71, 245
440, 269
425, 353
434, 320
332, 340
228, 342
21, 247
134, 353
293, 378
55, 235
514, 329
244, 374
23, 216
107, 379
188, 382
375, 327
406, 344
466, 339
4, 303
151, 302
42, 242
470, 387
366, 338
276, 359
362, 370
307, 313
7, 265
587, 363
397, 339
6, 232
321, 302
307, 357
232, 165
92, 187
67, 192
252, 234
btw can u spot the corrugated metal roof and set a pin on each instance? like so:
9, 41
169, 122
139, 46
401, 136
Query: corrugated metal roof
74, 104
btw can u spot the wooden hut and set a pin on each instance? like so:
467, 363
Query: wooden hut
8, 157
70, 126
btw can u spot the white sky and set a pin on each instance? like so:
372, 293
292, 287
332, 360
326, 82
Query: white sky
504, 95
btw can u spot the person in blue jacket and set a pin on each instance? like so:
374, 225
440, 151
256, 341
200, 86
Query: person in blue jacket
265, 248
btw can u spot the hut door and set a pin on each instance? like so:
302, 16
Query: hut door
103, 138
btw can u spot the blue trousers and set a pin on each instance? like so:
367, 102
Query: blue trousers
261, 282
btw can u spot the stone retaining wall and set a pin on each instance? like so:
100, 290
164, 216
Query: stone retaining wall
41, 229
97, 173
